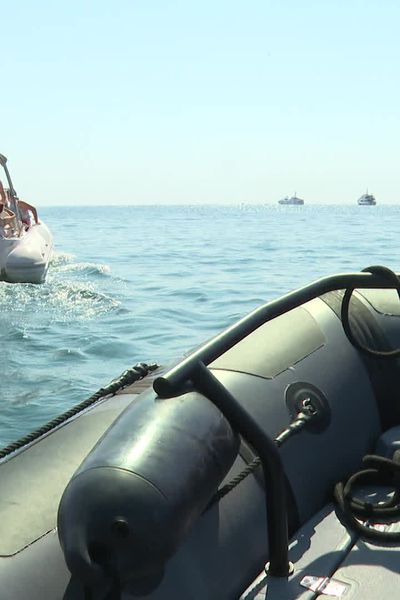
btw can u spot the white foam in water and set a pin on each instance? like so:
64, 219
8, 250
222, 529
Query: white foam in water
60, 298
61, 258
89, 268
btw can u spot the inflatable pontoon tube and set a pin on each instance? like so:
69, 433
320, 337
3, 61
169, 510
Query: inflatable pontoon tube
138, 493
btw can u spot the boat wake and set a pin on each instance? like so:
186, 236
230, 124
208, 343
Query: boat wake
69, 293
61, 258
65, 263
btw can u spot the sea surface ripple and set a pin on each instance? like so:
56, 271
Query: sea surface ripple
148, 283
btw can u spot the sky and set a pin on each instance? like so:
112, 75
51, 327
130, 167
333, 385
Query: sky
200, 101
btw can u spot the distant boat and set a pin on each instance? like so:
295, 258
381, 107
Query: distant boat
366, 200
294, 200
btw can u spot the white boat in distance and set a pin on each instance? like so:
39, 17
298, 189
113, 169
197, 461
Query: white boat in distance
366, 200
294, 200
26, 244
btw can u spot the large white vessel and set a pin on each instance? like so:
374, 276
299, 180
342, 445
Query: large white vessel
294, 200
366, 200
26, 244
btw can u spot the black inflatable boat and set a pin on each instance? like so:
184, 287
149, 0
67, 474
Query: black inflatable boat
263, 466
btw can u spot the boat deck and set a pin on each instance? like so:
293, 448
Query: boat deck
332, 562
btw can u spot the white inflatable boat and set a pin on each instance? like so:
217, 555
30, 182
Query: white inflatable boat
234, 475
26, 244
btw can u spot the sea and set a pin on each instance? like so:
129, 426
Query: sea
132, 284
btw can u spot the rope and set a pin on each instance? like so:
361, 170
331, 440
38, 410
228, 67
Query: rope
392, 278
138, 371
367, 328
305, 416
379, 471
250, 468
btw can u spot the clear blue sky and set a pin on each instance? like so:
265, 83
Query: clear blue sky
167, 101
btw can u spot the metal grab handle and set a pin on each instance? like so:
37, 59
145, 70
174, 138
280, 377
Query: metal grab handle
241, 421
168, 384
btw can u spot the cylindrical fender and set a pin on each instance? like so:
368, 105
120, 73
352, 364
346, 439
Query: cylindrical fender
138, 493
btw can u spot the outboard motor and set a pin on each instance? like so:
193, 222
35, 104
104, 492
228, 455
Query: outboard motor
137, 494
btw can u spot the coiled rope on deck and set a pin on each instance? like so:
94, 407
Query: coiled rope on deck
361, 515
135, 373
377, 471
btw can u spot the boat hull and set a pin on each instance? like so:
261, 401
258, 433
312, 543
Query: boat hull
26, 259
366, 200
291, 203
295, 350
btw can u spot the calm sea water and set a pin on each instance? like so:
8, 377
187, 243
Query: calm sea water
132, 284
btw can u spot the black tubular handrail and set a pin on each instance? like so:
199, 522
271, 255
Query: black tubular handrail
193, 369
242, 422
169, 384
